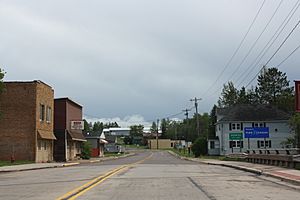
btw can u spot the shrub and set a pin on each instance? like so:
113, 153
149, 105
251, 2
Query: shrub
200, 147
86, 151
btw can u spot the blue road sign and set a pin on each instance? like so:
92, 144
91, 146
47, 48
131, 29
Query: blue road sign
256, 132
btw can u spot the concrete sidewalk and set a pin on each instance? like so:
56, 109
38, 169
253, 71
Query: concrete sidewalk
284, 174
36, 166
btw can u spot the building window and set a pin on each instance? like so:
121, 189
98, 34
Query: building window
48, 114
42, 112
259, 124
40, 145
264, 144
78, 146
236, 144
212, 144
235, 126
45, 145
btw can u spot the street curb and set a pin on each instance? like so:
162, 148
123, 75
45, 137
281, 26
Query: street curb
37, 168
67, 164
70, 164
247, 169
107, 158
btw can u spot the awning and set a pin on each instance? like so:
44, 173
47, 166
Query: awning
48, 135
76, 136
102, 141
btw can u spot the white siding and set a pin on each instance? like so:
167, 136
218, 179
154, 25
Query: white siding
276, 137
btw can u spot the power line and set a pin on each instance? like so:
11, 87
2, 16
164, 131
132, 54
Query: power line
237, 49
270, 43
254, 44
288, 56
277, 50
283, 43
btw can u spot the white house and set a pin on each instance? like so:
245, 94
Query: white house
246, 127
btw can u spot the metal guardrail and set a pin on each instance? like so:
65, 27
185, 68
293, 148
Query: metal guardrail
279, 157
291, 151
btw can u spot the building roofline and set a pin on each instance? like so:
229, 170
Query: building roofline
27, 82
233, 121
69, 100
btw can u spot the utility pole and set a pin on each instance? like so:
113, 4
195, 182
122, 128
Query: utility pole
197, 117
157, 134
187, 128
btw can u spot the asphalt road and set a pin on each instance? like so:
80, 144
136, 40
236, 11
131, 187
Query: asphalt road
147, 175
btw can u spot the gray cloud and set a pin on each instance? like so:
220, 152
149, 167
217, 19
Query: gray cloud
123, 58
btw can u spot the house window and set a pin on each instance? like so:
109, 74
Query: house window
259, 124
236, 144
212, 144
235, 126
264, 144
42, 112
48, 114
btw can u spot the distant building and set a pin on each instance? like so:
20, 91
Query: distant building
162, 143
26, 122
68, 126
117, 131
97, 141
245, 127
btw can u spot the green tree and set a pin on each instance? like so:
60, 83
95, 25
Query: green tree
153, 128
136, 130
2, 73
98, 126
86, 151
212, 122
272, 86
136, 134
199, 147
86, 126
163, 127
294, 123
229, 95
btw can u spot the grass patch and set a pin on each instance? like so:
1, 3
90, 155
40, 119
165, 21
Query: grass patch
182, 152
19, 162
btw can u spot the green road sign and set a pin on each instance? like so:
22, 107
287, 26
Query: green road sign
235, 136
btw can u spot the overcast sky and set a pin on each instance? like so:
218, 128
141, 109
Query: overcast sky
134, 61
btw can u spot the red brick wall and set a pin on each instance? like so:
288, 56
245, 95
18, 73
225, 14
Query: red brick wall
59, 115
74, 113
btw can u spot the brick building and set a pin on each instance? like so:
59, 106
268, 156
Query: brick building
26, 123
68, 127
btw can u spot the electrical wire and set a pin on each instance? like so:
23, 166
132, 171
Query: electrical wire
288, 56
236, 51
270, 43
277, 50
254, 44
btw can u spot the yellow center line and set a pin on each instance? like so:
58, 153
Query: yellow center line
73, 194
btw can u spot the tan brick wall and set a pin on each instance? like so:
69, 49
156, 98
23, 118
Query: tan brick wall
45, 96
19, 104
162, 144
